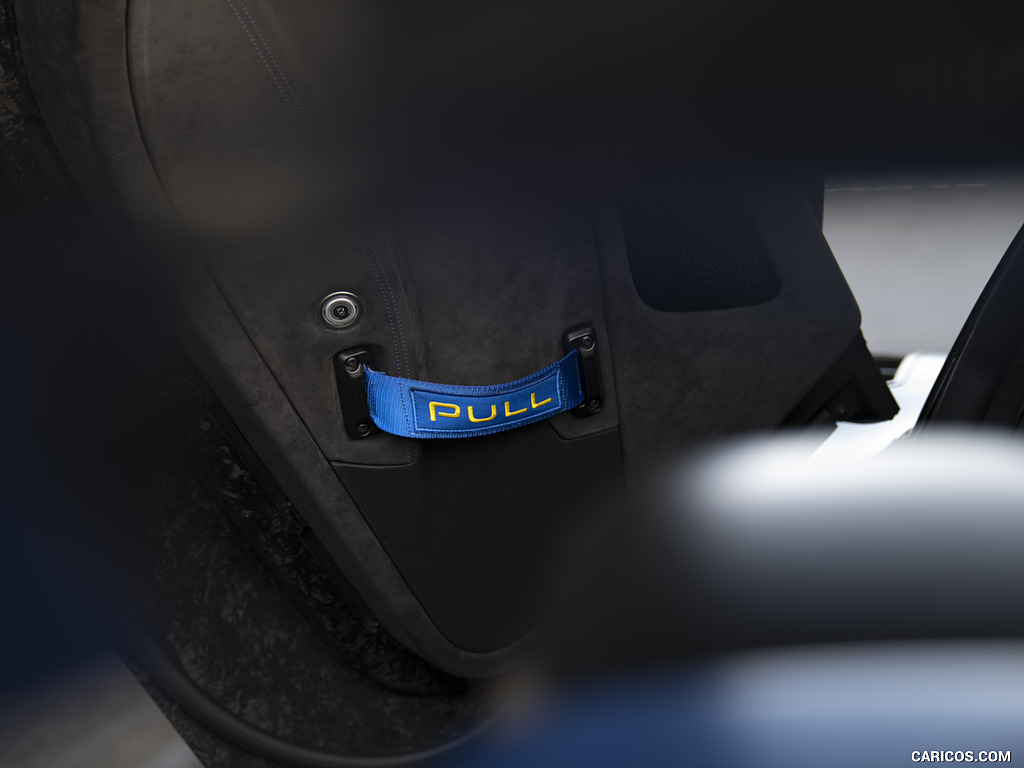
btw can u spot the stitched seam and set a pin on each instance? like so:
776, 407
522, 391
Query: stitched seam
273, 77
306, 128
394, 336
394, 301
398, 315
284, 78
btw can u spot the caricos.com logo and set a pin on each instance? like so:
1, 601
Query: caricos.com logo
959, 756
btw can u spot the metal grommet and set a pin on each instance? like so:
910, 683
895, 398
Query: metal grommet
340, 310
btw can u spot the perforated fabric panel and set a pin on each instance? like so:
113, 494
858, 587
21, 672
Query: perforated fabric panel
694, 249
477, 526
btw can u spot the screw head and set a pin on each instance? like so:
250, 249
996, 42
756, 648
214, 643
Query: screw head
593, 404
587, 342
363, 429
352, 364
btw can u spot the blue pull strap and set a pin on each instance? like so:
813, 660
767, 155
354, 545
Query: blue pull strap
411, 408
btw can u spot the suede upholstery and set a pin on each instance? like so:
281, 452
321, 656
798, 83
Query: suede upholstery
225, 132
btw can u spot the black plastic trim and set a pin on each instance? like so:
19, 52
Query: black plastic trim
852, 389
584, 341
980, 382
349, 371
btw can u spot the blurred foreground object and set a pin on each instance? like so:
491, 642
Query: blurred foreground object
767, 606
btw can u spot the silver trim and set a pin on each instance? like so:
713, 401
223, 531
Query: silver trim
339, 310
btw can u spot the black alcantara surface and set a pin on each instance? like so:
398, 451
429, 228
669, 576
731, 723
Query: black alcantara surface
259, 625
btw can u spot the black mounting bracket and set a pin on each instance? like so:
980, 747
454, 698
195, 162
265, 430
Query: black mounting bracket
349, 371
584, 340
